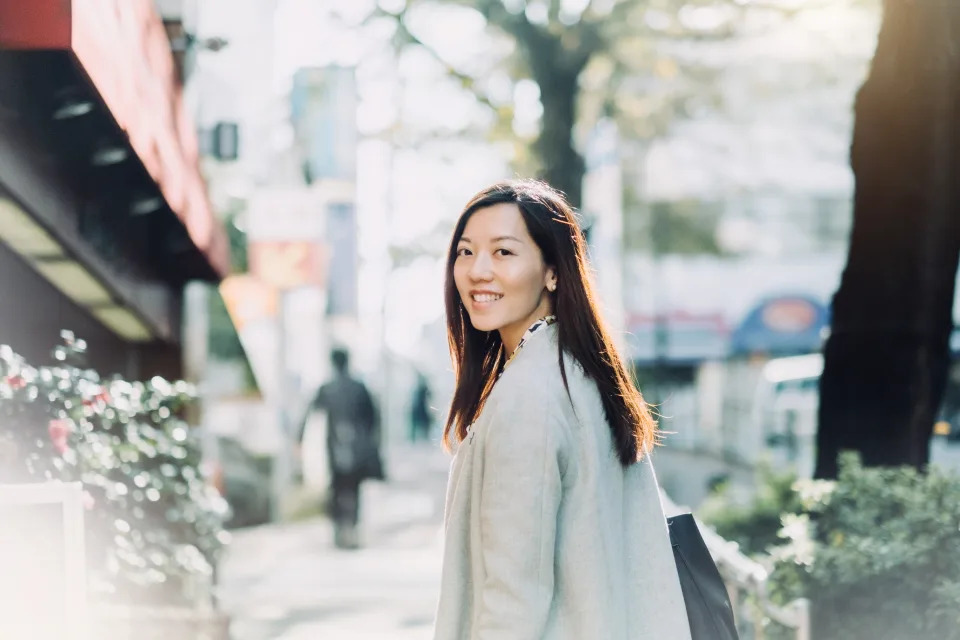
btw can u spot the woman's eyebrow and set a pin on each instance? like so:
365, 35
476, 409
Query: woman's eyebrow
497, 239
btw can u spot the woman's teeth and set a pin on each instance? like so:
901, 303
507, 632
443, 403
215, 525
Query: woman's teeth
486, 297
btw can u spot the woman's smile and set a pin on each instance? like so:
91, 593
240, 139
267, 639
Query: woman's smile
483, 300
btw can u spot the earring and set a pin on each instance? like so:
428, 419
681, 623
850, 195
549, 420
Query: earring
552, 287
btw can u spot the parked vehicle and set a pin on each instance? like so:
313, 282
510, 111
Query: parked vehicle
786, 401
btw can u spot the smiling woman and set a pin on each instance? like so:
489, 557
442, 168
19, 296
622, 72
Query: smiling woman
500, 273
554, 527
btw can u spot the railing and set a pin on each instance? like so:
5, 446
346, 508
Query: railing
744, 576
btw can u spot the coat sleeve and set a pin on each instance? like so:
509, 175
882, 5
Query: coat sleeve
519, 501
317, 403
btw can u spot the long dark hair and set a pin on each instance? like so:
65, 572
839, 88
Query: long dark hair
478, 355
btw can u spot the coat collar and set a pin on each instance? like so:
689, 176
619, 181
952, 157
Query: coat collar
536, 327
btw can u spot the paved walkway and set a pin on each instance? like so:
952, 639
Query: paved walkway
288, 582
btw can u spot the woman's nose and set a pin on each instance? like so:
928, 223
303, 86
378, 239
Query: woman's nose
480, 269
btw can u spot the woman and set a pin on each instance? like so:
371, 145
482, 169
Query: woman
554, 527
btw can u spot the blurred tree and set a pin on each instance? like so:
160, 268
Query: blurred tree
888, 353
671, 227
586, 59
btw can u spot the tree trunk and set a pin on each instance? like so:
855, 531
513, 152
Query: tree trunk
887, 357
562, 165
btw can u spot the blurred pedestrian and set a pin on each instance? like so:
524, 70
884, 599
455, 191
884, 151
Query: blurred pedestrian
554, 527
420, 422
353, 445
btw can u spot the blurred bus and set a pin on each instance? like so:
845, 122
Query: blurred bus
786, 404
785, 410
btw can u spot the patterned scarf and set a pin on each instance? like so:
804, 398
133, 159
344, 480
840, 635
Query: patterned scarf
542, 322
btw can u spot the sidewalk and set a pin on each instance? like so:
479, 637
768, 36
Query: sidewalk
288, 582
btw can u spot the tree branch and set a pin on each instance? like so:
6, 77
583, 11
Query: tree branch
466, 81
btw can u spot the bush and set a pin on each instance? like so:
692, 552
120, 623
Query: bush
877, 552
754, 525
154, 525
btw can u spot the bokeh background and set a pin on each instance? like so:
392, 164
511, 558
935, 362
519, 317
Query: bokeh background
208, 196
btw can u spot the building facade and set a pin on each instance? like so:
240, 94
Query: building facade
104, 214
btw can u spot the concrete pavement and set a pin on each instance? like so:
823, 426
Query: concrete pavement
288, 582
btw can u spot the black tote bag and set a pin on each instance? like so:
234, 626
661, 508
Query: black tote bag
704, 594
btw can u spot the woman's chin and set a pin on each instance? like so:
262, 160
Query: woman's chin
484, 324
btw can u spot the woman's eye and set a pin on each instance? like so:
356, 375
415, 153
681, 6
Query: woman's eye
463, 252
504, 252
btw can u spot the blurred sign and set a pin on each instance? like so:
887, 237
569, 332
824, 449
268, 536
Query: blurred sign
324, 114
286, 265
254, 307
782, 325
789, 315
342, 236
222, 141
248, 299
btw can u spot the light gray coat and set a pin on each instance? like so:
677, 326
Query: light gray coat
547, 535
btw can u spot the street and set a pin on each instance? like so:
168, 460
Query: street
288, 582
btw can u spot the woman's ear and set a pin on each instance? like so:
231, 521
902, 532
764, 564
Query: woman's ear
551, 279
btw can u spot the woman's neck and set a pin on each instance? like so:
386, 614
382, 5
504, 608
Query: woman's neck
510, 347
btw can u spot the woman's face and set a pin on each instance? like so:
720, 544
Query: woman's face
500, 274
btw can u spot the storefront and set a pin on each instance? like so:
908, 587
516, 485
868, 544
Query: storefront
104, 214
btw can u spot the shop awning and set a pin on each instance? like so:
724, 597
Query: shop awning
119, 49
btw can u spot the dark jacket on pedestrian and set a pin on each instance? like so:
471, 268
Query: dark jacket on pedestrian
352, 426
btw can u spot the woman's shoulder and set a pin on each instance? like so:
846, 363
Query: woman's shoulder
534, 385
533, 379
524, 389
537, 370
524, 414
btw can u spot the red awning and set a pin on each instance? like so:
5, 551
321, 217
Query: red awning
122, 47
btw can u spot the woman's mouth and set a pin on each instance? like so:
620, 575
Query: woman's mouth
485, 297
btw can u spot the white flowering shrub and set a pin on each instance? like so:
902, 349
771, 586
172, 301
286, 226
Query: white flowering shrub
154, 525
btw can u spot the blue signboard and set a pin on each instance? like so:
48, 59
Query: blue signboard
782, 325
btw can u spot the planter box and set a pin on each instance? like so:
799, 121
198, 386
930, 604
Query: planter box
42, 561
158, 623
